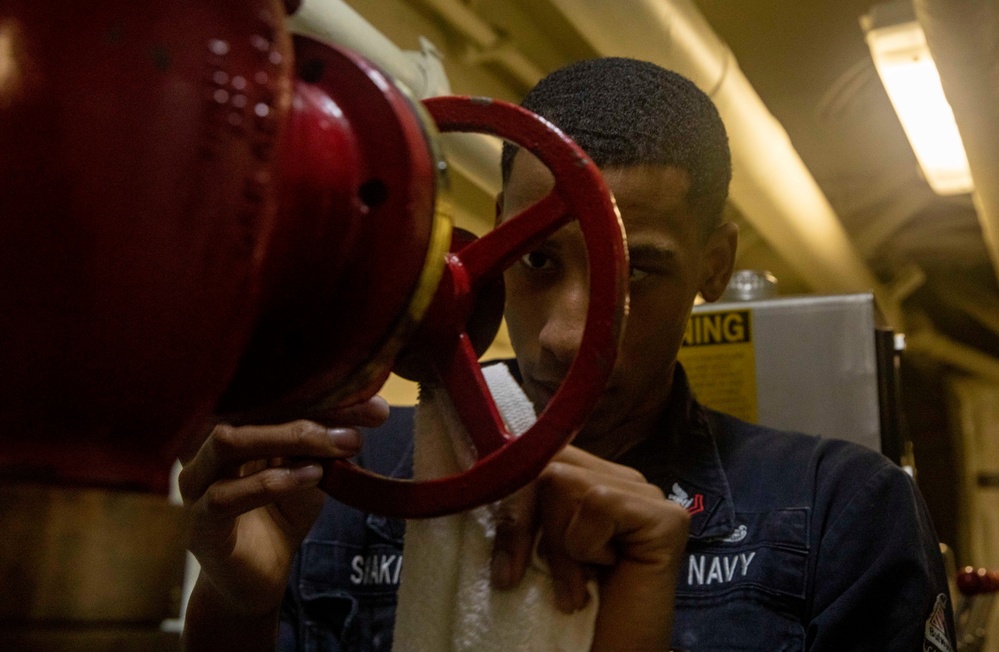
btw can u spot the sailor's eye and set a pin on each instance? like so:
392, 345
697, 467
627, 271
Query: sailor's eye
636, 274
536, 260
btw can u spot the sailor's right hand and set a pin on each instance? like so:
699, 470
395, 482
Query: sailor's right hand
602, 520
252, 495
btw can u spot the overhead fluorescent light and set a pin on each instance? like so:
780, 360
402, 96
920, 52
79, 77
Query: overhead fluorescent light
903, 61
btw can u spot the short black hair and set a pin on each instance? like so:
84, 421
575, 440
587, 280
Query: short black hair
626, 112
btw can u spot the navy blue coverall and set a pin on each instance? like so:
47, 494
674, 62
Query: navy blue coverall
796, 543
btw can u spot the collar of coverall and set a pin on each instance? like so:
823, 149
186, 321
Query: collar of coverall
682, 459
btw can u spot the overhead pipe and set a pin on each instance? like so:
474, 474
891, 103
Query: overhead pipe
474, 156
487, 46
335, 22
963, 37
771, 185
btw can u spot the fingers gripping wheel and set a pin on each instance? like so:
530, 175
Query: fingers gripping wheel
504, 463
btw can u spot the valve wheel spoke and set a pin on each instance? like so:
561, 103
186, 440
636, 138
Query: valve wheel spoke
464, 382
498, 249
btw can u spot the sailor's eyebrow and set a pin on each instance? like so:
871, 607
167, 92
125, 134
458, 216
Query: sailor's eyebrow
651, 251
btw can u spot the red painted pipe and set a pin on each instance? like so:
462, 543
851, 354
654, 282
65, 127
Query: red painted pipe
182, 193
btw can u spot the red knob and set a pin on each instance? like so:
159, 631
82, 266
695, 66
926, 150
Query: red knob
967, 581
972, 581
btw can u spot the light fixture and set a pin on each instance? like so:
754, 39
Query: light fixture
903, 61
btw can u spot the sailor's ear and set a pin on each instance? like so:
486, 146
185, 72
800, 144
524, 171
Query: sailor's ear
718, 261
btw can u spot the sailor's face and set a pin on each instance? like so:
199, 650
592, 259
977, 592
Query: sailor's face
548, 291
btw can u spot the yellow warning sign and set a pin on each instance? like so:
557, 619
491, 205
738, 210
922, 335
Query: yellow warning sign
720, 361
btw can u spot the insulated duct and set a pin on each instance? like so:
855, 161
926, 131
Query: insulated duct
475, 156
771, 185
963, 36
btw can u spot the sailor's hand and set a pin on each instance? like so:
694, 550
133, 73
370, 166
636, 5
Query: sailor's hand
601, 519
252, 495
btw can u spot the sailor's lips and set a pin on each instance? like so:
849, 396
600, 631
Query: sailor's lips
542, 391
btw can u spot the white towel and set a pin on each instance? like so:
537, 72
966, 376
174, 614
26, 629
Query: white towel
446, 601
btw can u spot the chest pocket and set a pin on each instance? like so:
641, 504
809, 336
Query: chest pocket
746, 591
348, 589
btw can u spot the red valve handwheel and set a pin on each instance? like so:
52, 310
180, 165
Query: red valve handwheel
506, 463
